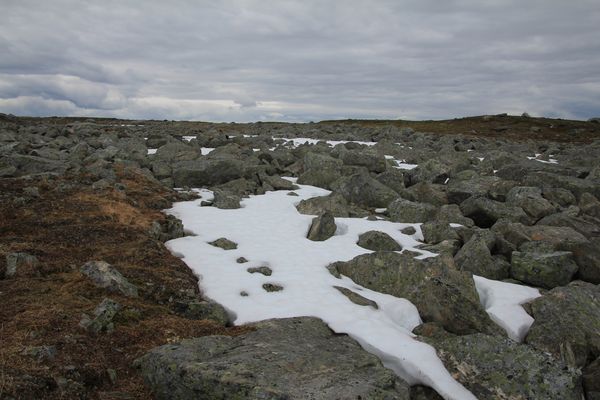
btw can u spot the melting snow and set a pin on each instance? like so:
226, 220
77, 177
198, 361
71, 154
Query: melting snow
205, 150
502, 301
550, 159
270, 232
152, 151
300, 141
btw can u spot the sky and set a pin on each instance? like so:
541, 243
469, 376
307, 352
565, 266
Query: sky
264, 60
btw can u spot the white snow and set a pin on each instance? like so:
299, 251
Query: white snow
401, 164
550, 159
152, 151
502, 301
205, 150
188, 138
270, 232
300, 141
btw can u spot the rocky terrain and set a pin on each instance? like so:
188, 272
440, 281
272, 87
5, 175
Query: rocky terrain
94, 305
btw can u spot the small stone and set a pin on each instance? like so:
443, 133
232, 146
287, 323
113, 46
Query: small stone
261, 270
357, 298
103, 317
243, 293
272, 287
241, 260
293, 194
409, 230
224, 244
378, 241
322, 227
104, 275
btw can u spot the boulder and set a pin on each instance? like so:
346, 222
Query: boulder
441, 294
364, 191
322, 227
567, 323
318, 364
485, 212
104, 275
531, 201
176, 151
392, 178
545, 270
335, 204
372, 162
378, 241
459, 189
476, 257
436, 232
225, 200
591, 380
206, 172
406, 211
494, 367
320, 170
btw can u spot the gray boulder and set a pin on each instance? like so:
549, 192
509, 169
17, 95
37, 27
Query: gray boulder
441, 294
401, 210
104, 275
335, 204
378, 241
176, 151
320, 170
364, 191
567, 323
476, 257
545, 270
494, 367
322, 227
436, 232
531, 201
225, 200
485, 212
461, 188
318, 364
372, 162
207, 172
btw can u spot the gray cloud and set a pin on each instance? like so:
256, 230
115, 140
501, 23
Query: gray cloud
300, 60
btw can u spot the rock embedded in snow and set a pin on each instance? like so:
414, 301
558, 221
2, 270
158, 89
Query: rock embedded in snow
441, 294
266, 271
224, 244
318, 364
322, 227
378, 241
335, 203
272, 287
226, 201
546, 270
493, 367
104, 275
356, 298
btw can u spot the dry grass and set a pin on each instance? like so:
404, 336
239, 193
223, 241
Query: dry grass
64, 229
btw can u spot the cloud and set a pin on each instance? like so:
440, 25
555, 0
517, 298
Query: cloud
245, 60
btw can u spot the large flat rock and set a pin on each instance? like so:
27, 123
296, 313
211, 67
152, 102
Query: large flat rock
294, 358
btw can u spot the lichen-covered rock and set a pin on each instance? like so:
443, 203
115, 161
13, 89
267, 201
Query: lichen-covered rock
104, 275
203, 310
206, 172
362, 158
224, 244
320, 170
440, 294
436, 232
336, 204
378, 241
530, 200
322, 227
317, 364
476, 257
485, 212
103, 317
364, 191
225, 200
567, 323
401, 210
546, 270
493, 367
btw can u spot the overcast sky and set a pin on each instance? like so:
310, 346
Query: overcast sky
300, 60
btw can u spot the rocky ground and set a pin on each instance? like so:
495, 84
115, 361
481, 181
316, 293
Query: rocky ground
93, 304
